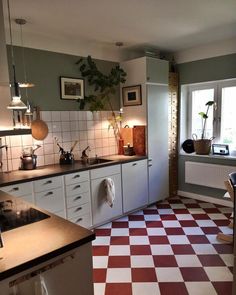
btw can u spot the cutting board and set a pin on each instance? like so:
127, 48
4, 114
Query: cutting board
139, 140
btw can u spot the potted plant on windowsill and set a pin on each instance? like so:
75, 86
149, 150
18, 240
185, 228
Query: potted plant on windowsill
203, 146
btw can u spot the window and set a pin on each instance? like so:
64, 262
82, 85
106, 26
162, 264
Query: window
221, 122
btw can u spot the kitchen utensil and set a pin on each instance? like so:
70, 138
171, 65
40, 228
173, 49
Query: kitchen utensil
66, 158
28, 162
61, 150
39, 127
128, 150
74, 145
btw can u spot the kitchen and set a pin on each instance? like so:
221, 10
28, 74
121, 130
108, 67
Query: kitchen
67, 123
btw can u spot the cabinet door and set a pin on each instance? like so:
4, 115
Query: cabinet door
157, 70
102, 212
158, 170
51, 200
134, 181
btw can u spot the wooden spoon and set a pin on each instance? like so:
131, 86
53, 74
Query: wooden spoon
39, 127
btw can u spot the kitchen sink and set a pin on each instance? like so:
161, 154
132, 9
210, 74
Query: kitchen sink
95, 161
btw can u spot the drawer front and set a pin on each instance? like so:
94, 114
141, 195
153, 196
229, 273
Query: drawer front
47, 183
18, 190
104, 172
60, 213
78, 199
76, 189
78, 210
28, 198
51, 200
76, 177
83, 220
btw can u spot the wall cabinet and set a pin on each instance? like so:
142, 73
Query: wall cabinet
135, 186
101, 211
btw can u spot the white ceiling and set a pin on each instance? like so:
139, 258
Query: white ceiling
168, 25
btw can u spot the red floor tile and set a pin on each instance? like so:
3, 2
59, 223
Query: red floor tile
224, 248
102, 232
168, 217
136, 217
181, 211
138, 232
211, 260
222, 222
211, 230
150, 211
198, 239
173, 289
194, 274
118, 261
163, 206
159, 240
223, 288
182, 249
118, 289
188, 223
100, 250
140, 250
143, 275
120, 224
118, 240
211, 210
164, 261
174, 231
154, 224
194, 205
99, 275
174, 201
200, 216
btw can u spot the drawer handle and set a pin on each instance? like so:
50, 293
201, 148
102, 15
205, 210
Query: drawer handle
77, 198
48, 194
78, 209
77, 186
150, 165
16, 188
134, 164
79, 219
76, 176
48, 182
149, 160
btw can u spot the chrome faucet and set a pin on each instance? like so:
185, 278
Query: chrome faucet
85, 157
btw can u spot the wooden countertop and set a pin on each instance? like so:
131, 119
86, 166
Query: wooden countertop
30, 245
19, 176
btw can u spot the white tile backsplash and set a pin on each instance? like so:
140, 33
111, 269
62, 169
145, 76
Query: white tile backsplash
91, 129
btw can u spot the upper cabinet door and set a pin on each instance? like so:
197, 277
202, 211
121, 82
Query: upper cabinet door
157, 71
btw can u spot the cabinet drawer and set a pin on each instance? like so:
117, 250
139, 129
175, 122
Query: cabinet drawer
76, 177
18, 190
104, 172
83, 220
60, 213
51, 200
47, 183
78, 210
78, 188
78, 200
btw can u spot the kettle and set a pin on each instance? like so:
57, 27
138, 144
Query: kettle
28, 162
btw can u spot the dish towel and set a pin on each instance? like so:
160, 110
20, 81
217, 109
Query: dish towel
109, 191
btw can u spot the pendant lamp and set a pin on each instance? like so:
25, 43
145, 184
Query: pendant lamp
16, 102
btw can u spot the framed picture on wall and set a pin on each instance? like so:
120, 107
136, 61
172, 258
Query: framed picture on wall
132, 95
72, 88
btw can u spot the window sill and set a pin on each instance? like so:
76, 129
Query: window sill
210, 156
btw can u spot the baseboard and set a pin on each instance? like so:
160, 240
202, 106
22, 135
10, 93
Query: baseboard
206, 199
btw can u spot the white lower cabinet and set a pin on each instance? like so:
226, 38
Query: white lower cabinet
21, 190
101, 211
135, 185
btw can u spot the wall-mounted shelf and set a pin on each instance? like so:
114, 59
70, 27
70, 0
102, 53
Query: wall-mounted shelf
14, 132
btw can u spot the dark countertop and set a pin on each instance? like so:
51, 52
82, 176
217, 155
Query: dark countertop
32, 244
55, 170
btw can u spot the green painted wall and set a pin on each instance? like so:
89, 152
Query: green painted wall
211, 69
44, 69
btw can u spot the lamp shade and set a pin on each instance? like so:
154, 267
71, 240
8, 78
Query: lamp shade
16, 104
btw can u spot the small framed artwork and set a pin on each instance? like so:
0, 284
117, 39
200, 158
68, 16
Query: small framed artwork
72, 88
132, 95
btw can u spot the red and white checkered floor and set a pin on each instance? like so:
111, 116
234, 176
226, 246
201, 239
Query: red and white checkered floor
168, 249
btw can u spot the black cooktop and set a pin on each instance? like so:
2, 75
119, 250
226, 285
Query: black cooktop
18, 213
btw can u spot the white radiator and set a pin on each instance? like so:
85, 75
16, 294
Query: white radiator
210, 175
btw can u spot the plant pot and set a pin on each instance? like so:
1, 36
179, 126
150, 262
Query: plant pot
202, 146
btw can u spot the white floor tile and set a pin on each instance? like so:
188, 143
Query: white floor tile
206, 205
161, 250
142, 261
137, 224
196, 211
217, 273
204, 249
226, 230
152, 217
192, 231
189, 201
119, 250
178, 206
107, 225
119, 232
228, 259
101, 241
225, 210
217, 216
213, 239
139, 240
124, 218
118, 275
205, 223
171, 223
184, 217
200, 288
145, 288
100, 261
188, 261
99, 288
152, 231
178, 240
165, 211
169, 274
